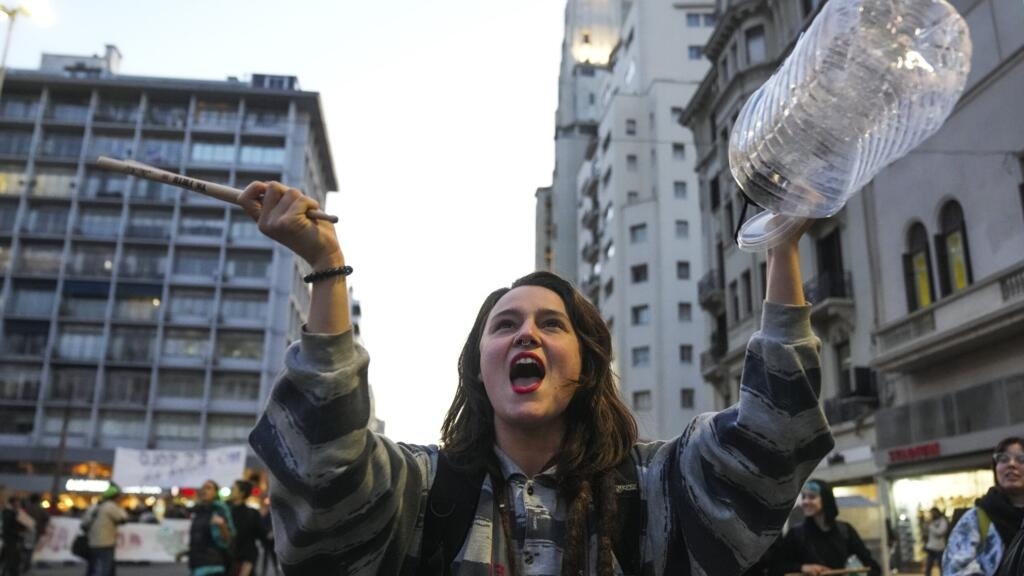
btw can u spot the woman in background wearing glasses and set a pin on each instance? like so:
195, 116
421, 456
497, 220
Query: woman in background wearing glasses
998, 514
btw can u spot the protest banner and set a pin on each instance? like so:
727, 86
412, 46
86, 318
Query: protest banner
135, 542
169, 468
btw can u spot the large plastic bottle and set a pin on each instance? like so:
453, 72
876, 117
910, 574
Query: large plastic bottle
866, 83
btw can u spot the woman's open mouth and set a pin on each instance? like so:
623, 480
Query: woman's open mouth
526, 373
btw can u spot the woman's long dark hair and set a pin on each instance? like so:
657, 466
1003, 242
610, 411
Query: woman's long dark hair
599, 431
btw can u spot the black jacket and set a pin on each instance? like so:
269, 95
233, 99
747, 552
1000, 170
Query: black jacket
808, 544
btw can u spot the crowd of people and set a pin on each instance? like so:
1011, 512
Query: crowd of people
230, 538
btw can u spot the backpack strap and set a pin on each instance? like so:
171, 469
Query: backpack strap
631, 518
983, 525
451, 506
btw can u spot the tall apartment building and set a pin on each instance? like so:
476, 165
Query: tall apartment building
591, 32
134, 314
639, 226
917, 285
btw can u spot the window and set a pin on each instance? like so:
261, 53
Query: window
642, 400
127, 387
224, 429
176, 427
632, 196
693, 20
205, 225
210, 152
685, 312
679, 190
917, 269
20, 382
683, 270
191, 304
686, 398
686, 354
73, 384
248, 306
695, 52
728, 216
640, 315
638, 233
710, 20
609, 287
125, 425
132, 345
951, 250
638, 273
186, 343
263, 155
236, 387
137, 302
641, 356
161, 151
188, 385
682, 229
32, 300
631, 162
245, 345
843, 366
149, 224
248, 265
679, 151
734, 299
196, 262
630, 127
80, 343
747, 288
755, 45
58, 145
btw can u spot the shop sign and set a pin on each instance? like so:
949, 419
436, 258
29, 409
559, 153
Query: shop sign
914, 453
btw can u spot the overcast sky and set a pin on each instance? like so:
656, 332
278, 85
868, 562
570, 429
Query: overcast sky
440, 115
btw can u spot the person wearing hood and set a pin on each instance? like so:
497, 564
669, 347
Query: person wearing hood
100, 524
979, 539
823, 542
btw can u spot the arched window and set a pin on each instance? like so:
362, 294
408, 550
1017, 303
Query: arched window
917, 269
951, 250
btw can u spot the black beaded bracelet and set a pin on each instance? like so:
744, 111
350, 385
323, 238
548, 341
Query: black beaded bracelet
328, 273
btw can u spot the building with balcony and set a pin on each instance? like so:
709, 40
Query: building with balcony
591, 31
636, 225
135, 314
915, 286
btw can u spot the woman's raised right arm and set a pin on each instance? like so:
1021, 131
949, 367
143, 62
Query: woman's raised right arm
344, 500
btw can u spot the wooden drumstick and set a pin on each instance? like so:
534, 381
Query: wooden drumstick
211, 189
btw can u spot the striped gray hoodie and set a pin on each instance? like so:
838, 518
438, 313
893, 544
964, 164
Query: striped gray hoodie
347, 501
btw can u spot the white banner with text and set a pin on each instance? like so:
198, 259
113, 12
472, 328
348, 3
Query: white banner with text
169, 468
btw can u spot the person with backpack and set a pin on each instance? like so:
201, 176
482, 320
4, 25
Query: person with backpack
100, 524
978, 540
537, 429
823, 542
210, 534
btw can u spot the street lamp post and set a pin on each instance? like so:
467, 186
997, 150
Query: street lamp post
12, 15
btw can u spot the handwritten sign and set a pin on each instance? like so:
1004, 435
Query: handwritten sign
168, 468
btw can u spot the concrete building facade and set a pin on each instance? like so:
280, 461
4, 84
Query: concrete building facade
915, 284
135, 314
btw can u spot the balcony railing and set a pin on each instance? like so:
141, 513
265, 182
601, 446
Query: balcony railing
710, 293
984, 312
986, 406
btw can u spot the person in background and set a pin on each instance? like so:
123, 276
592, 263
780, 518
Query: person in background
247, 529
978, 539
822, 542
267, 541
13, 533
100, 524
210, 534
34, 507
937, 529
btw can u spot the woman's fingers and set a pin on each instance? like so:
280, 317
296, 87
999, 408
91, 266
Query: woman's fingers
251, 199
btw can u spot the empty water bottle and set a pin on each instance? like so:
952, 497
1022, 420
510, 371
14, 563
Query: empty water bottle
866, 83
